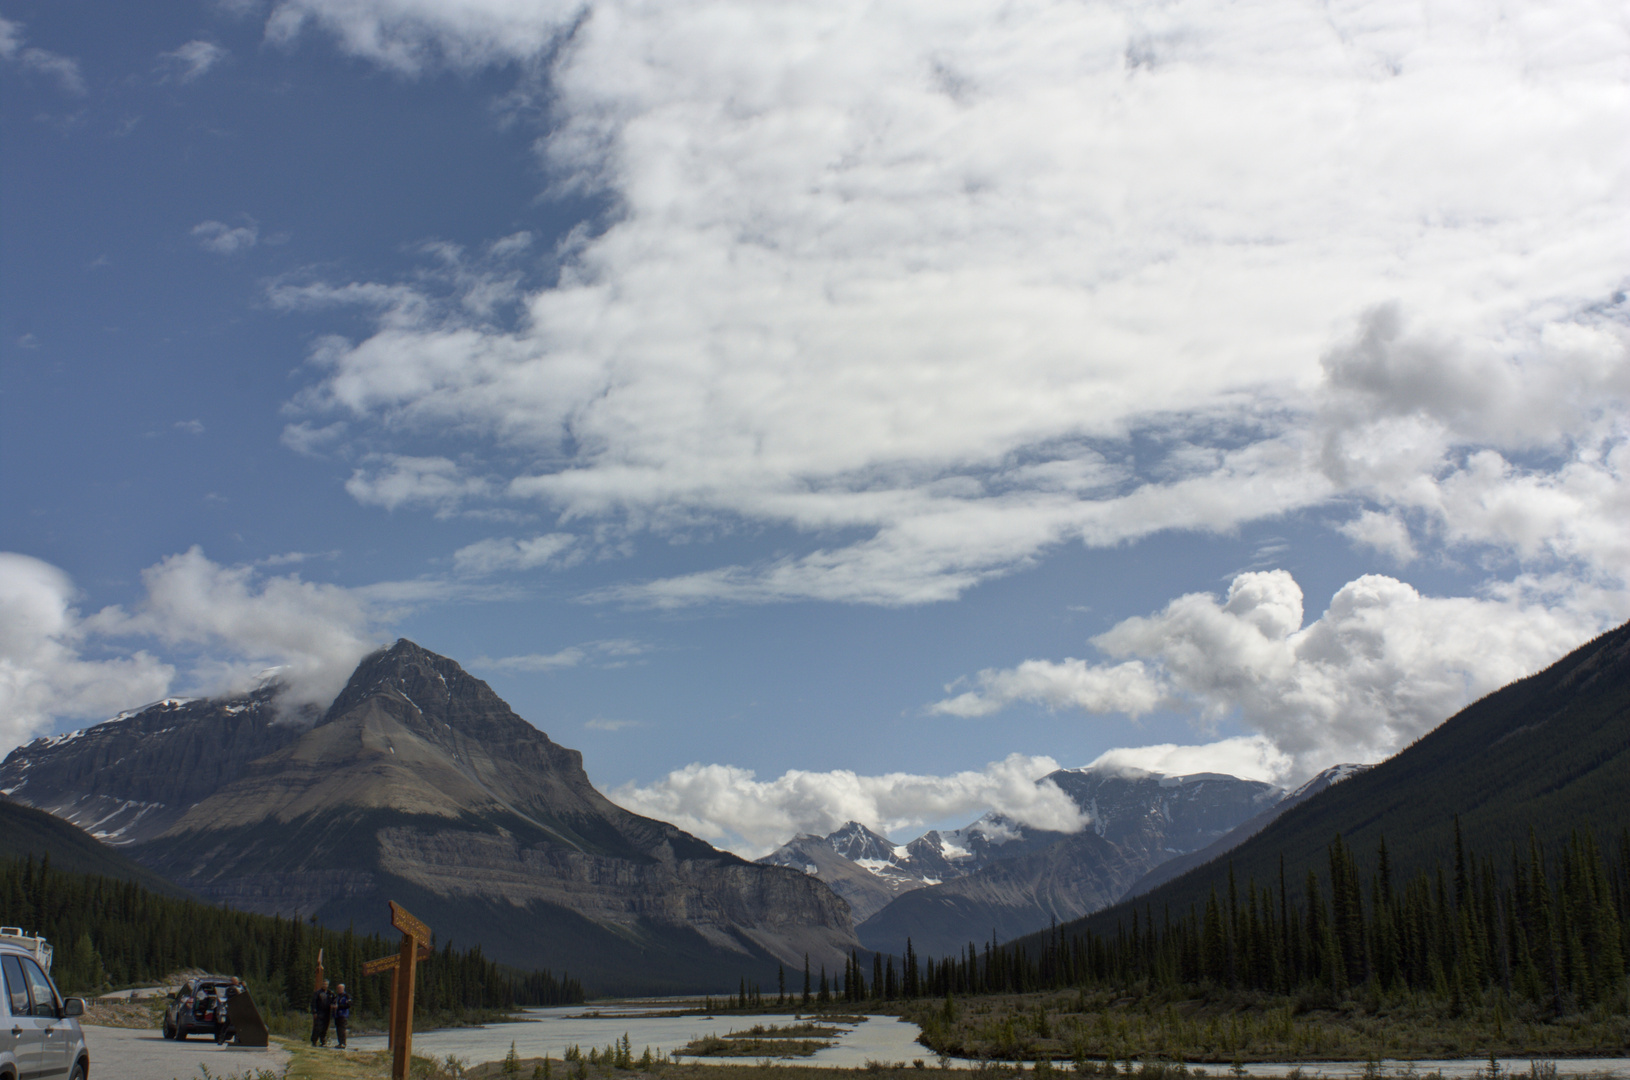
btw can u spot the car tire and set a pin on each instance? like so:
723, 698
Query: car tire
180, 1033
79, 1071
166, 1030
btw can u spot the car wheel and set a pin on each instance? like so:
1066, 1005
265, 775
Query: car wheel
79, 1071
180, 1033
167, 1030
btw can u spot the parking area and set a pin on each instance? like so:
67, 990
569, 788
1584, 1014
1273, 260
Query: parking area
144, 1054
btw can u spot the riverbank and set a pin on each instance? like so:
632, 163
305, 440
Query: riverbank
1225, 1028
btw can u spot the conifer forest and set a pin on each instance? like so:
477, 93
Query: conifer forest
110, 933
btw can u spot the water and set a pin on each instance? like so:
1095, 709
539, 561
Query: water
878, 1038
551, 1031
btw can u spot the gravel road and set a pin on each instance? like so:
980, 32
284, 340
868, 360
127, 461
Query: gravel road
144, 1054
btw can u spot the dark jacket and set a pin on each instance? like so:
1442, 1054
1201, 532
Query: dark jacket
322, 1003
342, 1004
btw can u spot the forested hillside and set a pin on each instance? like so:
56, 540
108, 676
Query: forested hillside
111, 932
25, 831
1548, 754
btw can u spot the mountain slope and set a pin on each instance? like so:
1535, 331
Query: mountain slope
132, 777
420, 785
1182, 864
25, 831
1074, 875
1550, 752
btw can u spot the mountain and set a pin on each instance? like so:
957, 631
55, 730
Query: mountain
131, 778
866, 869
1549, 753
1182, 864
419, 784
26, 832
945, 889
1009, 897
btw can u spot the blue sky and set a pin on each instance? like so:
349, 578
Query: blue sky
819, 411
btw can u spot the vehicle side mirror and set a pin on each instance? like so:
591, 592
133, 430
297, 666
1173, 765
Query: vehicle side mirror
73, 1007
171, 995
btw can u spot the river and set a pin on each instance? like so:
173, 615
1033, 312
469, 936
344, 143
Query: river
879, 1038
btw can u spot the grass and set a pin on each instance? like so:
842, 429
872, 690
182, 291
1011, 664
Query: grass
1222, 1028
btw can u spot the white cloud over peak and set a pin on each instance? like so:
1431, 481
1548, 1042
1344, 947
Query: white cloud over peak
234, 622
1379, 668
1251, 757
910, 279
730, 807
44, 672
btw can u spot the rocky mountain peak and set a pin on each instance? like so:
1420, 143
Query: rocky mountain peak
856, 842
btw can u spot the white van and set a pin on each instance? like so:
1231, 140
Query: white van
39, 1030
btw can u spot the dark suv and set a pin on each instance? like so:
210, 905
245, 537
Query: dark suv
194, 1007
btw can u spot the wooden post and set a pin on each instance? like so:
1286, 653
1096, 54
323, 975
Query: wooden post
415, 935
392, 964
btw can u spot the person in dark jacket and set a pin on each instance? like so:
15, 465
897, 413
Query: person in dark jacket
223, 1027
322, 1007
342, 1014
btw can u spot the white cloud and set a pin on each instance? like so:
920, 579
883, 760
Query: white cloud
242, 623
192, 60
400, 480
190, 427
309, 439
1125, 688
908, 278
507, 553
615, 652
1386, 533
1379, 668
730, 807
232, 621
224, 239
600, 723
64, 69
1252, 757
45, 673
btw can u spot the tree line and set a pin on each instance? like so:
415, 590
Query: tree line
1552, 929
108, 932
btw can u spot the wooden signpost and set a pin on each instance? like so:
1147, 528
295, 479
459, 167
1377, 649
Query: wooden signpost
415, 947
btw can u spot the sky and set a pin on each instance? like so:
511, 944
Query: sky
820, 411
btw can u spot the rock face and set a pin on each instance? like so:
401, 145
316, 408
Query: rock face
1182, 864
132, 777
421, 785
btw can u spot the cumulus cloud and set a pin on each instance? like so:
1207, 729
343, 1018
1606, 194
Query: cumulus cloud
1380, 667
944, 286
225, 239
45, 672
1252, 757
243, 622
732, 808
64, 69
192, 60
233, 623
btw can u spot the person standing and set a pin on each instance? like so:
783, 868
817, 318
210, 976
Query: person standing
342, 1014
322, 1007
223, 1023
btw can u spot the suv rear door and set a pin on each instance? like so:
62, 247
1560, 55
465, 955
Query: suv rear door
27, 1032
48, 1013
